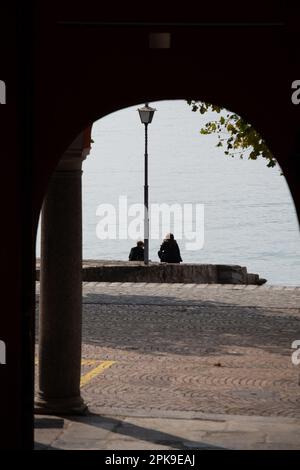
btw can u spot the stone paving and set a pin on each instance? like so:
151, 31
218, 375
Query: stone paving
189, 349
189, 432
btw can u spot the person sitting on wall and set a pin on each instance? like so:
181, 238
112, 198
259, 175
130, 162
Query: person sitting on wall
137, 252
169, 251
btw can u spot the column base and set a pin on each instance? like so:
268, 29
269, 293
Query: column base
60, 406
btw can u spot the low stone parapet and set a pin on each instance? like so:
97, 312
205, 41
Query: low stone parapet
136, 271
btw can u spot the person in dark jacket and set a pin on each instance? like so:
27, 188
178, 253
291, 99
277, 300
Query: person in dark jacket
169, 251
137, 252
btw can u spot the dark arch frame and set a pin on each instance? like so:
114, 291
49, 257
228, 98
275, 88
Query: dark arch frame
85, 71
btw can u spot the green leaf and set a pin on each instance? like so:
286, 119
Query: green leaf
240, 134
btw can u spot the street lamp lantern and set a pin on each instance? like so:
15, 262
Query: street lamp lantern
146, 114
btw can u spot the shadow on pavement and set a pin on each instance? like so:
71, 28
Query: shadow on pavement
136, 432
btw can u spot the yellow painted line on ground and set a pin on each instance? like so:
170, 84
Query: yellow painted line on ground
95, 371
92, 373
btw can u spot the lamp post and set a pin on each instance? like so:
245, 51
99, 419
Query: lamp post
146, 115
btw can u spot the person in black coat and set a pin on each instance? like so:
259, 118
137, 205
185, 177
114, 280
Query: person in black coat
137, 252
169, 251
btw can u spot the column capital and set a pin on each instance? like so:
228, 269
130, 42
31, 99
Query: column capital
77, 152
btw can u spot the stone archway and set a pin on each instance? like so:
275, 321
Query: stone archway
63, 273
84, 71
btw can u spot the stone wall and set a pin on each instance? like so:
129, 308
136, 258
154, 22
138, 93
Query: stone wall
127, 271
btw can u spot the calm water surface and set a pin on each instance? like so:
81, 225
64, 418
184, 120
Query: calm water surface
249, 216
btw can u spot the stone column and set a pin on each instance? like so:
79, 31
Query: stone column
61, 288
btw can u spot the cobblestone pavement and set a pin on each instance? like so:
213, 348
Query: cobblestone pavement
184, 348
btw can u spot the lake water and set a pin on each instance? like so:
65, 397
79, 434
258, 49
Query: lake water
249, 216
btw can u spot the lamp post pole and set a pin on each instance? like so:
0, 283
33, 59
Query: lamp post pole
146, 201
146, 115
